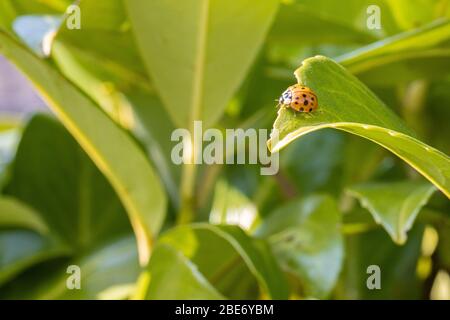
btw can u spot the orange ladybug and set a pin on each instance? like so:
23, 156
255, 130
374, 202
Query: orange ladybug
299, 98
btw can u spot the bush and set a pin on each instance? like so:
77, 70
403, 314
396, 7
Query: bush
153, 180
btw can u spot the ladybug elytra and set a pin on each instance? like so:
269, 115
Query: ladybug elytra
299, 98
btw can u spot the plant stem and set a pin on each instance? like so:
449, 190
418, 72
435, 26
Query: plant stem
186, 213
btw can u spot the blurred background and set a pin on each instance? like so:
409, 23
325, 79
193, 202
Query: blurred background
70, 214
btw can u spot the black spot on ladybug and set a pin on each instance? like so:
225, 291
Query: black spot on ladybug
296, 102
303, 88
304, 95
310, 109
312, 98
301, 109
305, 102
296, 98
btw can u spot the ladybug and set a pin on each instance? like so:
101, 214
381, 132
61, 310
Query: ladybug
299, 98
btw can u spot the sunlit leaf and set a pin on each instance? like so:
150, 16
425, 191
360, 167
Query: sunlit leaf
346, 104
123, 163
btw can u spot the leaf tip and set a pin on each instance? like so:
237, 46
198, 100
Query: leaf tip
305, 64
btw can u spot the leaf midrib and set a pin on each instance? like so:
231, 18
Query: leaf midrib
199, 64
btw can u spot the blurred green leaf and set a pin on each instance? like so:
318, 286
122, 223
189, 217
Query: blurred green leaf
190, 51
219, 251
102, 59
105, 41
123, 162
83, 209
394, 205
414, 13
230, 206
323, 21
40, 7
21, 249
7, 14
346, 104
10, 9
15, 214
418, 53
70, 201
173, 276
322, 174
360, 161
104, 267
397, 264
436, 112
305, 236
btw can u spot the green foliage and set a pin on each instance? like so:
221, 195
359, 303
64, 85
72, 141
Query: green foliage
96, 187
394, 205
305, 237
14, 214
198, 73
347, 105
133, 182
422, 52
173, 276
228, 259
82, 220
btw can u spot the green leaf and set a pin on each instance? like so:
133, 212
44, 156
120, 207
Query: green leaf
220, 251
122, 162
62, 194
59, 181
190, 50
173, 276
320, 175
394, 205
105, 267
230, 206
407, 56
39, 7
21, 249
102, 59
413, 13
7, 14
305, 236
10, 9
322, 21
346, 104
398, 265
15, 214
105, 41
